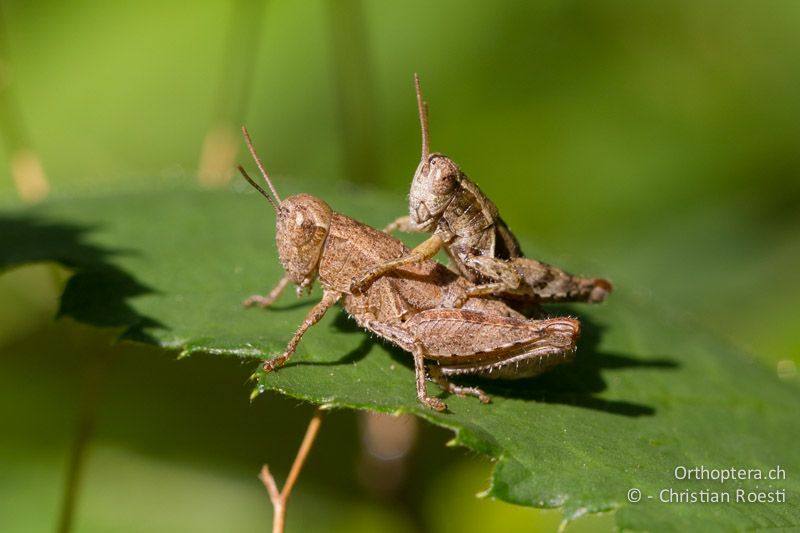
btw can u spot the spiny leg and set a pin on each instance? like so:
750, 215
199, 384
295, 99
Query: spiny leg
436, 375
425, 250
328, 299
265, 301
422, 389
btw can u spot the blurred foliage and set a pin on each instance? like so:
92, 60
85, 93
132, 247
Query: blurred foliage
655, 143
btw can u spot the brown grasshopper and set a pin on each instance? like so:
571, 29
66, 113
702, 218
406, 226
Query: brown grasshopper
412, 307
444, 201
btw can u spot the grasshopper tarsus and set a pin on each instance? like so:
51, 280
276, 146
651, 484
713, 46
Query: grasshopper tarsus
402, 223
275, 363
463, 392
477, 392
434, 403
257, 300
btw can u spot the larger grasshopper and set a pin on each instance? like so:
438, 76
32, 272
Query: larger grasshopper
467, 225
411, 308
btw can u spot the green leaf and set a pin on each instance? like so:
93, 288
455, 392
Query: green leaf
647, 393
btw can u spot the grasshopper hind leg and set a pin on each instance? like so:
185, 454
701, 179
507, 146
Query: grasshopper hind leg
422, 387
450, 387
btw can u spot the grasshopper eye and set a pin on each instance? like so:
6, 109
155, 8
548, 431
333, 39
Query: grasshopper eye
443, 180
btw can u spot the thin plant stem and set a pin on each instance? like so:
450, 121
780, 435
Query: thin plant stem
280, 498
96, 375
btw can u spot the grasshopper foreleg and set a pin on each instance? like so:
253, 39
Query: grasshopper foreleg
403, 224
258, 300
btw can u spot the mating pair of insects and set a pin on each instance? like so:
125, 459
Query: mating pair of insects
457, 321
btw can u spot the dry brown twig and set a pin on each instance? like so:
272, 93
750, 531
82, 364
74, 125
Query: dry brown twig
279, 498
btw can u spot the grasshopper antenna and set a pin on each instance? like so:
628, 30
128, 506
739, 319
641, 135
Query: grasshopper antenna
258, 188
423, 119
260, 164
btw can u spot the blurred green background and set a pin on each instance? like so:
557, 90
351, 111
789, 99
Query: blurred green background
654, 143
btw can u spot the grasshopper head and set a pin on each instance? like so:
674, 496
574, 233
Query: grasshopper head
435, 180
432, 189
301, 226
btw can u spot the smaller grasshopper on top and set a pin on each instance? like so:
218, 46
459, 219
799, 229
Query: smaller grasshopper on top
467, 225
